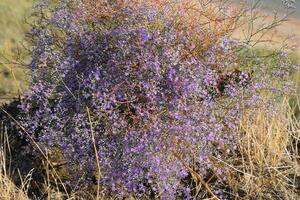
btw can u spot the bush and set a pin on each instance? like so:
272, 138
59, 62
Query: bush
142, 97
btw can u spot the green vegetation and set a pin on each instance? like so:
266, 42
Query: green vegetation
13, 14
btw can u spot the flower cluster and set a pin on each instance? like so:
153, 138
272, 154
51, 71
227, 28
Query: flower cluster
158, 102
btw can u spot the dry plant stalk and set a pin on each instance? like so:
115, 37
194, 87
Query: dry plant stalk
8, 190
265, 167
206, 22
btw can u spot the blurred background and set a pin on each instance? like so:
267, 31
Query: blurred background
13, 26
14, 23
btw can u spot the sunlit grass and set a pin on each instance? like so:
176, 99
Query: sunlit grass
267, 165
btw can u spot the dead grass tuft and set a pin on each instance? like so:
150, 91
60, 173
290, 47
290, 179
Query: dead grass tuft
8, 190
266, 166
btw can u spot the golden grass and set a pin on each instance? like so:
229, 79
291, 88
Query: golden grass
8, 190
268, 162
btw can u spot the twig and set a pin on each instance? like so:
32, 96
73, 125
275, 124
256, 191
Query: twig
197, 176
96, 153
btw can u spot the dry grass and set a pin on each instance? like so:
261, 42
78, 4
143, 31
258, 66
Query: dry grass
267, 166
8, 190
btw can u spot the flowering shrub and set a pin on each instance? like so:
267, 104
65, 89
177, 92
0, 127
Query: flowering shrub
157, 95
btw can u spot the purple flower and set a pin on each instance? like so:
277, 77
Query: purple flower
153, 103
